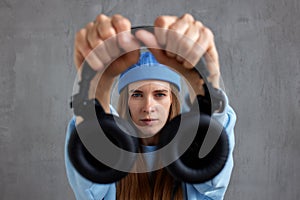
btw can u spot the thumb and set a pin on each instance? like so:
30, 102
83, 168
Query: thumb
159, 53
149, 40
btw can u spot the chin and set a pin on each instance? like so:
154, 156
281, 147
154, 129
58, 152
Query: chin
148, 132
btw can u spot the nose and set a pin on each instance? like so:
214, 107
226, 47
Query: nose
149, 105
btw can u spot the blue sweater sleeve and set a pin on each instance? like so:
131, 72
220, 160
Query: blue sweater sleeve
215, 189
84, 189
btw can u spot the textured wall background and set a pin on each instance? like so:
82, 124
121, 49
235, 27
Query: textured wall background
259, 46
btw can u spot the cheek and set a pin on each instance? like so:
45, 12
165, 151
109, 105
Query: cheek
133, 110
166, 108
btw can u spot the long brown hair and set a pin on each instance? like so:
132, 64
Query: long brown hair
157, 185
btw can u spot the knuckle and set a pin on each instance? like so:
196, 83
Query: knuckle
160, 21
106, 33
125, 22
208, 33
101, 18
117, 16
121, 23
188, 17
199, 24
89, 25
176, 28
80, 34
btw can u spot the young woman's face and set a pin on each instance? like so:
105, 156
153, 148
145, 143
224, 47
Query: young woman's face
149, 104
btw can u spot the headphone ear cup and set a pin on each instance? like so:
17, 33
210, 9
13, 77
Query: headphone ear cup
88, 166
117, 132
188, 167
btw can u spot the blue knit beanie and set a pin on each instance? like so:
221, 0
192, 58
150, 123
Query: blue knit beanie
147, 68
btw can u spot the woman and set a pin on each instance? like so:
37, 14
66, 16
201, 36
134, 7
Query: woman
149, 98
149, 101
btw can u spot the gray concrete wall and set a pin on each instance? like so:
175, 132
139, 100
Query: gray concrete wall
259, 46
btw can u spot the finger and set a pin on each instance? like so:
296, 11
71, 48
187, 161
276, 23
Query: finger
206, 41
122, 63
147, 38
107, 33
96, 43
213, 66
188, 40
125, 39
187, 17
101, 52
92, 35
152, 44
205, 46
112, 47
177, 30
104, 27
83, 48
161, 26
199, 48
174, 35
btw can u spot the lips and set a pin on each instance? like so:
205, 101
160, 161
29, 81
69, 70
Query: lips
149, 121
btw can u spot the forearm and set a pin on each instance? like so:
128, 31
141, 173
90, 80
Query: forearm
217, 187
100, 88
82, 188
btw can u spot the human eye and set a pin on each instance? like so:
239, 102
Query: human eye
135, 95
160, 94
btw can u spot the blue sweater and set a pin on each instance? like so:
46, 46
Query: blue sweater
213, 189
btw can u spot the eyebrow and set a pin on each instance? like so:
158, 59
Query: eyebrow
157, 91
161, 90
137, 91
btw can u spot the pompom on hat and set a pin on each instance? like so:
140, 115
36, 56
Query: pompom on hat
147, 68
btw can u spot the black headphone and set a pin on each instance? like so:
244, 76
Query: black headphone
187, 167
